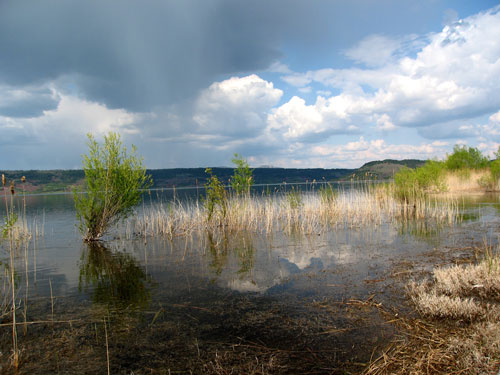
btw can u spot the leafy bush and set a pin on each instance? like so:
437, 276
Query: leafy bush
216, 201
113, 184
242, 179
495, 169
411, 184
489, 182
465, 158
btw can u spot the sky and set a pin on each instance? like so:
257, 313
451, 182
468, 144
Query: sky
284, 83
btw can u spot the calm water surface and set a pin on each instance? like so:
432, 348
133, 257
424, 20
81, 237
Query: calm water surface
209, 283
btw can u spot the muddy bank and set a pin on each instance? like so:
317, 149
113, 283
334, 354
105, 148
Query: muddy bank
221, 331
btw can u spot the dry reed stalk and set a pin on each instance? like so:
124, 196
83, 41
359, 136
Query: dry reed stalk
310, 214
460, 182
107, 347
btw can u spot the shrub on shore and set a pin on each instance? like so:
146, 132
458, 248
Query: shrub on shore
465, 169
412, 184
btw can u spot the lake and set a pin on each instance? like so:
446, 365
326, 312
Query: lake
220, 303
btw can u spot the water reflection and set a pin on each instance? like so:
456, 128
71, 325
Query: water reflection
420, 229
241, 245
114, 278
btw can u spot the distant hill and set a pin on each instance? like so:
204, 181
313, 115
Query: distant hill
65, 180
385, 169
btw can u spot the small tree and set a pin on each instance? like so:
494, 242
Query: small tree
466, 158
216, 198
242, 179
113, 183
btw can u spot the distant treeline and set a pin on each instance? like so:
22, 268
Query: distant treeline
65, 180
197, 176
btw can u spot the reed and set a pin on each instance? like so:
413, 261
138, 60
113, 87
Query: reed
15, 239
312, 212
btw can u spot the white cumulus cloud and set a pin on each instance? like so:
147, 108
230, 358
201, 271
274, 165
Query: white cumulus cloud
455, 75
236, 106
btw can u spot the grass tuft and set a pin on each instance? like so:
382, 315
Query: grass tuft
461, 327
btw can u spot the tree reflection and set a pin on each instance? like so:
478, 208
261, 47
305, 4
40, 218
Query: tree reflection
220, 247
116, 279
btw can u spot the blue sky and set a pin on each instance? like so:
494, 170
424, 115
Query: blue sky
290, 83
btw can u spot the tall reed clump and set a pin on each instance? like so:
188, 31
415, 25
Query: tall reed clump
14, 232
460, 308
293, 211
113, 183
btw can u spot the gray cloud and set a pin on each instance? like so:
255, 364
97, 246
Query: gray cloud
26, 102
140, 55
129, 54
147, 69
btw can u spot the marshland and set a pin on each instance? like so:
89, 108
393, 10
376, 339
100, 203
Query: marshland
316, 278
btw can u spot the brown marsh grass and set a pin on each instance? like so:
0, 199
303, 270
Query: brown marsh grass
297, 212
459, 328
467, 181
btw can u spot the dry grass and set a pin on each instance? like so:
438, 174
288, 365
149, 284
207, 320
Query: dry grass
461, 330
307, 213
465, 181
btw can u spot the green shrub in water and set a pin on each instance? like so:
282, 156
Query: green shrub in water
242, 179
113, 183
216, 202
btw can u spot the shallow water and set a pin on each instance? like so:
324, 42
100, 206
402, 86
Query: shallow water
213, 303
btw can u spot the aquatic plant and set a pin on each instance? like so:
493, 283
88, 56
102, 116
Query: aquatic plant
216, 200
113, 183
242, 179
307, 213
413, 184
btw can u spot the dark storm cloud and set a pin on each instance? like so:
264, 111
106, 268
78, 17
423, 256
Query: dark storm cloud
30, 102
140, 55
135, 55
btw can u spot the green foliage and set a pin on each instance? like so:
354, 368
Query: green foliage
465, 158
10, 221
216, 198
411, 184
495, 169
489, 182
294, 198
328, 194
113, 183
242, 178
